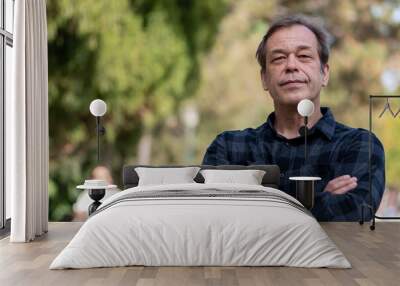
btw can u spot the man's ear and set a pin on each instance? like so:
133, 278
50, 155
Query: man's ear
263, 80
325, 75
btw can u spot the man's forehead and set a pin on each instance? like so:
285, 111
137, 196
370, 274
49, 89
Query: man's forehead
293, 37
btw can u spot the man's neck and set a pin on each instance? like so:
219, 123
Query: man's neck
288, 121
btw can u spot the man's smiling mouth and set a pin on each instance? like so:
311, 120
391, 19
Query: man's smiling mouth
292, 82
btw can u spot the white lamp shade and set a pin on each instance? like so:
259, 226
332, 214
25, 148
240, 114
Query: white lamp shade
305, 107
98, 107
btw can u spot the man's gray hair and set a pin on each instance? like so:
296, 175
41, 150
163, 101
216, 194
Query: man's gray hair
314, 24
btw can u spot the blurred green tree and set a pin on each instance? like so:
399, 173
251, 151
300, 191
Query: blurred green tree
141, 57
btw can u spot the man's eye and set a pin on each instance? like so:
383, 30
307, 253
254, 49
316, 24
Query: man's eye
278, 58
304, 56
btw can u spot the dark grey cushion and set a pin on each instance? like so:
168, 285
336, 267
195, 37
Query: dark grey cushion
271, 178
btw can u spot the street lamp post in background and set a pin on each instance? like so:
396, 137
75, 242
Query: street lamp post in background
190, 117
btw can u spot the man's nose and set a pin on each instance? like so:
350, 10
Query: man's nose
291, 63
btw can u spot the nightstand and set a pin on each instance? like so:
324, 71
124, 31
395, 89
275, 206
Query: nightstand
96, 191
305, 190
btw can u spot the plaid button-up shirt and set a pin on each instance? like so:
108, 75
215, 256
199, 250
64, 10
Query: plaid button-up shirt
333, 150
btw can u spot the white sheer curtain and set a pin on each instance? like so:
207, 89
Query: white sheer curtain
27, 140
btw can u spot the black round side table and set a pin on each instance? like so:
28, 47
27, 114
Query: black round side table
305, 190
96, 191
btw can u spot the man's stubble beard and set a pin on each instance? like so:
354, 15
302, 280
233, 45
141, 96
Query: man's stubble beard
292, 99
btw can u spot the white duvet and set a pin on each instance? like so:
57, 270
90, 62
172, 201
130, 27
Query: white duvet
183, 231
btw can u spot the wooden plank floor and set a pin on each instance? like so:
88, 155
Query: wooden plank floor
374, 255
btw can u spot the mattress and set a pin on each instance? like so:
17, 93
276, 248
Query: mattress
201, 225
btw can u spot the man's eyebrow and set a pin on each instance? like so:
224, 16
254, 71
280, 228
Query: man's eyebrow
283, 51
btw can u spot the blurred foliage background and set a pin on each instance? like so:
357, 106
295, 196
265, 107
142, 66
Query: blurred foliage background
175, 73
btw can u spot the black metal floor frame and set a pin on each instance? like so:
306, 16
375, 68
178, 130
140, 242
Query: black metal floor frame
370, 206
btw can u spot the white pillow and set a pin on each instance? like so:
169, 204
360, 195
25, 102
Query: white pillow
162, 176
249, 177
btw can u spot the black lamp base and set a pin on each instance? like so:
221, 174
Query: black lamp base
96, 195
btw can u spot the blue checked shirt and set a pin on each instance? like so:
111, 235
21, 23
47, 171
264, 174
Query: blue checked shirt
333, 150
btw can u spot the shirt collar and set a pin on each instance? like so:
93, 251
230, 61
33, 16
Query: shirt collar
326, 124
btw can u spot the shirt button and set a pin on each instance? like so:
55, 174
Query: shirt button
282, 175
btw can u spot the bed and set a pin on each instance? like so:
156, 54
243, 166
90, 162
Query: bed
201, 224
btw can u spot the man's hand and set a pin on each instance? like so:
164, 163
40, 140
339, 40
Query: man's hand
341, 185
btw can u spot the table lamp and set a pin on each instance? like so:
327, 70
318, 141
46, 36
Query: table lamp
98, 108
305, 184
